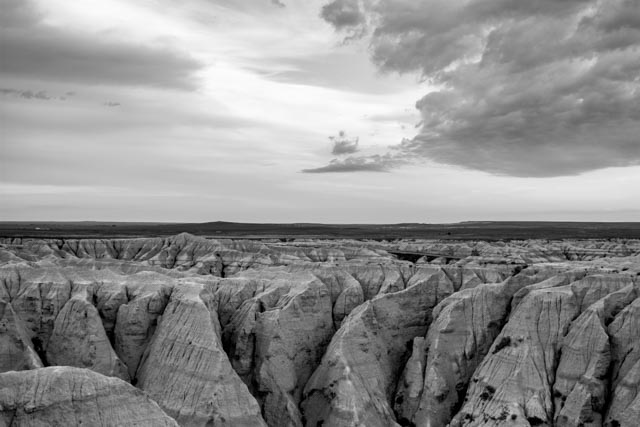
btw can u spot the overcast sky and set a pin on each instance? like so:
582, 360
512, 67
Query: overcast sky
316, 111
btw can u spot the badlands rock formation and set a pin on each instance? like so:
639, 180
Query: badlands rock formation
65, 396
200, 332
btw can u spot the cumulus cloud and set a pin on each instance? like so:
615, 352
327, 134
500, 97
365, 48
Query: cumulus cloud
343, 145
343, 14
346, 15
31, 48
375, 163
522, 88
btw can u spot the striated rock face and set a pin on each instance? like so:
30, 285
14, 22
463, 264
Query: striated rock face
16, 351
186, 371
79, 339
290, 339
355, 382
201, 332
625, 353
514, 380
624, 331
580, 390
37, 295
136, 323
523, 377
465, 326
411, 382
73, 396
625, 404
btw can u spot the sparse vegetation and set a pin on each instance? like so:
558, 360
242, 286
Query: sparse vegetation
504, 342
487, 393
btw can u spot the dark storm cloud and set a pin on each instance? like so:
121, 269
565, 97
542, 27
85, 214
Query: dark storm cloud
374, 163
524, 88
343, 145
33, 49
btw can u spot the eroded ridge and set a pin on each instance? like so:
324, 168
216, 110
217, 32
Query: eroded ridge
200, 332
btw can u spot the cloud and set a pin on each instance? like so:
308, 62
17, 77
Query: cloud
111, 104
346, 15
375, 163
544, 88
18, 13
278, 3
343, 145
27, 94
343, 14
30, 94
31, 48
342, 69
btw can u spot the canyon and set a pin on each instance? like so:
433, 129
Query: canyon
194, 331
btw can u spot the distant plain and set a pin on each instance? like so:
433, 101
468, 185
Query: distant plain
481, 230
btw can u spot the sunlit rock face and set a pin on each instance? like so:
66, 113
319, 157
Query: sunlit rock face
200, 332
68, 396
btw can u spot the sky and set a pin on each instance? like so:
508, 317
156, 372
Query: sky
343, 111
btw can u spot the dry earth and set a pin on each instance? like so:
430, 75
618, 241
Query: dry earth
190, 331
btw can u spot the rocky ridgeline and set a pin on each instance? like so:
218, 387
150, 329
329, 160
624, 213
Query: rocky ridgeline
197, 332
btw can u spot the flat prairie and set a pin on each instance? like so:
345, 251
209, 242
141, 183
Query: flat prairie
473, 230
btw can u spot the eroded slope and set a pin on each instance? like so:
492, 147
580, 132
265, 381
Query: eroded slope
222, 332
